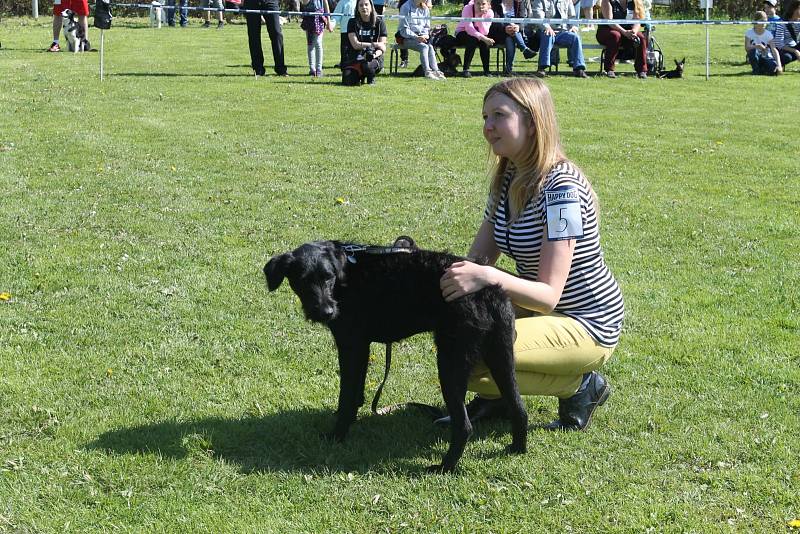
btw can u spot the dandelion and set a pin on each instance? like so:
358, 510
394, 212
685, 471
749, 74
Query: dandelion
5, 296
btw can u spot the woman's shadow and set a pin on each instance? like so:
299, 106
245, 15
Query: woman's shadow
289, 441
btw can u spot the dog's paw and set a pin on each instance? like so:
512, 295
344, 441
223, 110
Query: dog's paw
517, 449
333, 437
439, 469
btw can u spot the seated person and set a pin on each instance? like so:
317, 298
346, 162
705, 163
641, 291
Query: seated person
509, 33
627, 37
787, 36
365, 46
760, 47
556, 35
415, 29
472, 35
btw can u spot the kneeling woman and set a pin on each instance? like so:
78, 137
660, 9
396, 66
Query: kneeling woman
542, 212
365, 45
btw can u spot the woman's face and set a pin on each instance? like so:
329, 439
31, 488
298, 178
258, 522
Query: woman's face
506, 128
364, 9
484, 5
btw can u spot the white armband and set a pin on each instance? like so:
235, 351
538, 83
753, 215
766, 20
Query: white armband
564, 219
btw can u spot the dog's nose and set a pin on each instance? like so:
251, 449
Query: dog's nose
326, 312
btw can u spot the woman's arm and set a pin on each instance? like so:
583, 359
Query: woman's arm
380, 44
483, 246
542, 295
748, 44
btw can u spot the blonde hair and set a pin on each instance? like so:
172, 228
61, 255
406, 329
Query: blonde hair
639, 12
534, 101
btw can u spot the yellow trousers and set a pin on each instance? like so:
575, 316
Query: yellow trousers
551, 355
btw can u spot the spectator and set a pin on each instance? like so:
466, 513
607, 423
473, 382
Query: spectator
403, 51
218, 4
771, 9
254, 35
510, 33
415, 28
627, 37
345, 9
472, 35
184, 16
556, 35
760, 47
586, 12
81, 9
365, 47
787, 36
314, 26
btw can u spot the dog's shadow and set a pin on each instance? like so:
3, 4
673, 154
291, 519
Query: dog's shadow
291, 441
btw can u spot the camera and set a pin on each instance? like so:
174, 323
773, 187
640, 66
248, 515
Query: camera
369, 54
636, 40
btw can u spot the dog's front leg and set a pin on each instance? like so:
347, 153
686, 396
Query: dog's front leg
353, 360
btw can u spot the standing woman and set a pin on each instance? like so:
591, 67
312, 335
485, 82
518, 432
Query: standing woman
625, 36
541, 212
365, 46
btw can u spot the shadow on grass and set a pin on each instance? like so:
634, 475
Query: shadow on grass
292, 441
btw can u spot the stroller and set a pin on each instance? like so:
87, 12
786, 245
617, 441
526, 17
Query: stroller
655, 57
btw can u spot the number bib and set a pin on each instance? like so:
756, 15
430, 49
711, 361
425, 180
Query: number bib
564, 219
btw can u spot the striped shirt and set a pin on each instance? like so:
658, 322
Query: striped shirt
591, 296
784, 37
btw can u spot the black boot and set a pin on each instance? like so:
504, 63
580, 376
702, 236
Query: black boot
575, 413
480, 409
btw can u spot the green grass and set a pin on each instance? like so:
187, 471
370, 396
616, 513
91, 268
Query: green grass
148, 382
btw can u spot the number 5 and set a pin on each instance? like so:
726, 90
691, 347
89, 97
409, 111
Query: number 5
562, 220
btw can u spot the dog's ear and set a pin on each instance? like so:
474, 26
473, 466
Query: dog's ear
404, 241
275, 270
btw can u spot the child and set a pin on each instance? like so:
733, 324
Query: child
314, 25
760, 47
771, 9
415, 29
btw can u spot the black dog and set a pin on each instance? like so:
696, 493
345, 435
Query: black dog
367, 294
677, 72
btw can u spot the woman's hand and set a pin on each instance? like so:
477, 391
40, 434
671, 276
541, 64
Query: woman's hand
463, 278
489, 41
511, 29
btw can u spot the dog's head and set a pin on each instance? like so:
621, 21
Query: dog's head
679, 65
313, 271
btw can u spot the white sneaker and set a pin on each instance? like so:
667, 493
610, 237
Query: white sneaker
440, 75
404, 64
431, 75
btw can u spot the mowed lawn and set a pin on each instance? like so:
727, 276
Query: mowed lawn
150, 383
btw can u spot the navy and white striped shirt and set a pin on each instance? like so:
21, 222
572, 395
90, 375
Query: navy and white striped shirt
784, 37
591, 295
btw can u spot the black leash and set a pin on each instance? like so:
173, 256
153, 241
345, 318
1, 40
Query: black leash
432, 411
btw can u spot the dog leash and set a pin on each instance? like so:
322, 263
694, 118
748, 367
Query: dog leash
432, 411
351, 250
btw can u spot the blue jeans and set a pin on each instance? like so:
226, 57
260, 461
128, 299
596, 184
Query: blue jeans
512, 43
184, 13
563, 39
761, 62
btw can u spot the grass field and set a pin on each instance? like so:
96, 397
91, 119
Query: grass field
149, 383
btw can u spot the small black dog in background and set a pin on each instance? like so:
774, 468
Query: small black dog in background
677, 72
367, 294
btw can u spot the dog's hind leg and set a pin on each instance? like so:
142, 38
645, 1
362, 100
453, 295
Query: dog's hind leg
353, 360
499, 358
453, 377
